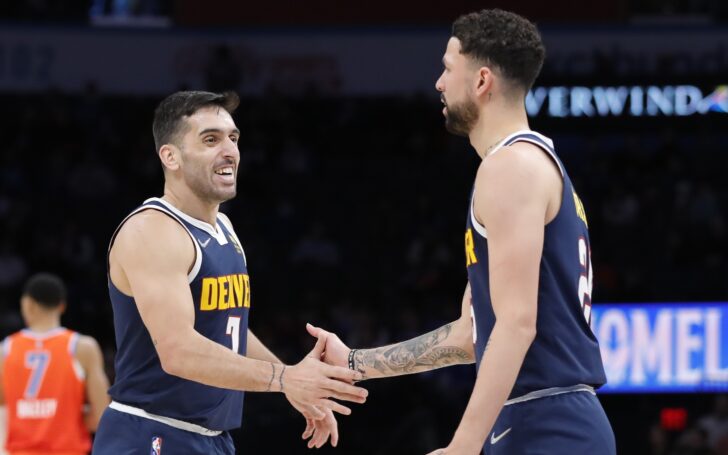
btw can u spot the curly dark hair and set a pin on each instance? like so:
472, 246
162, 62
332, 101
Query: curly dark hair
169, 115
505, 40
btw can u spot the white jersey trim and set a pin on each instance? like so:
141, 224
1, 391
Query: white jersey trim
198, 252
179, 424
215, 231
479, 228
228, 224
40, 336
551, 392
549, 148
7, 344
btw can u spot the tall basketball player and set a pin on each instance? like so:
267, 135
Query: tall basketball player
180, 291
53, 379
526, 308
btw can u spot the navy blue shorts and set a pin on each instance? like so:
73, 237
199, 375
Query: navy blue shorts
569, 423
120, 433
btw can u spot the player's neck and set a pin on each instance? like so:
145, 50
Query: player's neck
44, 324
495, 125
186, 201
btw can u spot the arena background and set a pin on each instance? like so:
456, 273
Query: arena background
352, 197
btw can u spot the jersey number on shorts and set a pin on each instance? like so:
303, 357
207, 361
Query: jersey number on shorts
37, 362
586, 278
233, 329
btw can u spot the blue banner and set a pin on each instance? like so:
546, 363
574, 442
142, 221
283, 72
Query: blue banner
665, 347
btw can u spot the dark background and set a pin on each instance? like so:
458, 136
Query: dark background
351, 209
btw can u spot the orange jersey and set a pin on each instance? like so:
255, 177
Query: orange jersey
45, 393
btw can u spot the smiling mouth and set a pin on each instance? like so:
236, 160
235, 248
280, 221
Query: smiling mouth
225, 171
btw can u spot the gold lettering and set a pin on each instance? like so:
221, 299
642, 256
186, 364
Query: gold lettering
222, 302
580, 212
470, 258
208, 300
246, 301
238, 288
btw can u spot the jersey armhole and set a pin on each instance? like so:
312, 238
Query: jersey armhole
192, 274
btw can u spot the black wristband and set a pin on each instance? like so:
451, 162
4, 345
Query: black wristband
351, 359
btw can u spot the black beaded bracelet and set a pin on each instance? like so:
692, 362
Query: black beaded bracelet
351, 359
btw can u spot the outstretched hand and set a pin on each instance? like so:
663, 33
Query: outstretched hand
335, 352
313, 383
320, 424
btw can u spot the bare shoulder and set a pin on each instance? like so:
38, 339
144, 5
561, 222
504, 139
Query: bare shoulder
516, 163
521, 178
87, 348
152, 234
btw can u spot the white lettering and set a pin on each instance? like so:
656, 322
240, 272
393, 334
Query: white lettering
687, 99
713, 343
581, 102
610, 100
651, 353
534, 100
660, 100
614, 330
637, 105
557, 101
36, 409
687, 342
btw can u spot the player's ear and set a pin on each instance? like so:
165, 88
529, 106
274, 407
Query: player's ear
483, 82
170, 156
62, 308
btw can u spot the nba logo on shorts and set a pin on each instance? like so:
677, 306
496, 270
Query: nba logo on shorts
156, 445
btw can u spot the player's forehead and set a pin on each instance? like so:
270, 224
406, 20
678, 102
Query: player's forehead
452, 54
210, 118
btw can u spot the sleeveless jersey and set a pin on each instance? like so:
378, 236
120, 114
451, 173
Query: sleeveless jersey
221, 293
565, 351
45, 391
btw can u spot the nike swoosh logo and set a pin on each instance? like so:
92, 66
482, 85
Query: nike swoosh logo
494, 439
204, 244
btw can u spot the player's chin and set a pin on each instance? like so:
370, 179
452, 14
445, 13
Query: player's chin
225, 194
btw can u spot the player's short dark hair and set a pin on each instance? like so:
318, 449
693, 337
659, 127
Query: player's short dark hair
170, 114
505, 40
46, 289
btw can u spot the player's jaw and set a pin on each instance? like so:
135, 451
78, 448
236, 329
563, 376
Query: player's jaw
460, 118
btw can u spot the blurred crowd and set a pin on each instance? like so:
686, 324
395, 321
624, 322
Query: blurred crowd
351, 212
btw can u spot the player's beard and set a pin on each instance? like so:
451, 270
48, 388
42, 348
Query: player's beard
461, 118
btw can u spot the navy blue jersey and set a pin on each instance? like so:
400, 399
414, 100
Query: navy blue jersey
565, 351
221, 293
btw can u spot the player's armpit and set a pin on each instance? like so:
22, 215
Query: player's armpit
91, 359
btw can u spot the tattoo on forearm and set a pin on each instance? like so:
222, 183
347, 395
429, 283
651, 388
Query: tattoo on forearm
272, 376
280, 378
425, 352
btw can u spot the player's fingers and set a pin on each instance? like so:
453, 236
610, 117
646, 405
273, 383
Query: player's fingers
334, 426
336, 407
309, 429
344, 391
319, 348
313, 330
344, 374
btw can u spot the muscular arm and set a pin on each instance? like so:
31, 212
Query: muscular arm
513, 193
450, 344
150, 258
257, 350
89, 356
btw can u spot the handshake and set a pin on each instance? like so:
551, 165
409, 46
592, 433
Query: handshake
311, 384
